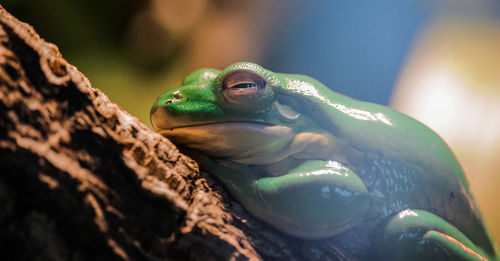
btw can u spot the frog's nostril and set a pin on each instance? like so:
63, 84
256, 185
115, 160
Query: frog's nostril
177, 95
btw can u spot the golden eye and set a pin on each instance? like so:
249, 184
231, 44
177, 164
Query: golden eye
242, 86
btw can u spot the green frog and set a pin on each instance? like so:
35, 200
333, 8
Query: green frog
315, 164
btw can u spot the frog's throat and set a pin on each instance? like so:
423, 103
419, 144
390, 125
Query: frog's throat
252, 143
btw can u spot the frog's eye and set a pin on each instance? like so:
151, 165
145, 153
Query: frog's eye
242, 86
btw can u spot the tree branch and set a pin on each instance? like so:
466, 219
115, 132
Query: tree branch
82, 179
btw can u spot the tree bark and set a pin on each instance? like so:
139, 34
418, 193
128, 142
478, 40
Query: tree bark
82, 179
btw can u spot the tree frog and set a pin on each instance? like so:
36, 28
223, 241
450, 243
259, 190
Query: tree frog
316, 164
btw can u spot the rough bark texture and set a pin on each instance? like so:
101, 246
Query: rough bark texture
81, 179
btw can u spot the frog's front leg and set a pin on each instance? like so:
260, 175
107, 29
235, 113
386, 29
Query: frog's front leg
421, 235
317, 199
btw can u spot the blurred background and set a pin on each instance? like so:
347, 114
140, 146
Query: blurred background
436, 60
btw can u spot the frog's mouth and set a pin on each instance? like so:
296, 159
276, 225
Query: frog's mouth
248, 142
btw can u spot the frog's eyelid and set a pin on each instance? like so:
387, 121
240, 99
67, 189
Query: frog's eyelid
242, 86
238, 79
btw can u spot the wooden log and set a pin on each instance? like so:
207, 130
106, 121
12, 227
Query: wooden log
82, 179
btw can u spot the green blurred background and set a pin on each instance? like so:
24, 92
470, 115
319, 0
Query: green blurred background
379, 51
134, 50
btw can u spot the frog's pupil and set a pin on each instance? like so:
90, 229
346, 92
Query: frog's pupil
244, 85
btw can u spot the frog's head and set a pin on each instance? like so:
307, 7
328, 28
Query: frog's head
240, 113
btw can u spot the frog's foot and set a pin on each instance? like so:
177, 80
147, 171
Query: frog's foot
421, 235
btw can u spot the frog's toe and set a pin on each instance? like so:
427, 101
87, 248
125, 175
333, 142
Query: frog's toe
421, 235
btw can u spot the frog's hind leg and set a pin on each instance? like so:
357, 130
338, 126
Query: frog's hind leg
421, 235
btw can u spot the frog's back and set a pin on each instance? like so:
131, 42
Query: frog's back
414, 169
403, 163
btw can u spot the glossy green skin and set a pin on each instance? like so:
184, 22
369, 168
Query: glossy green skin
336, 167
